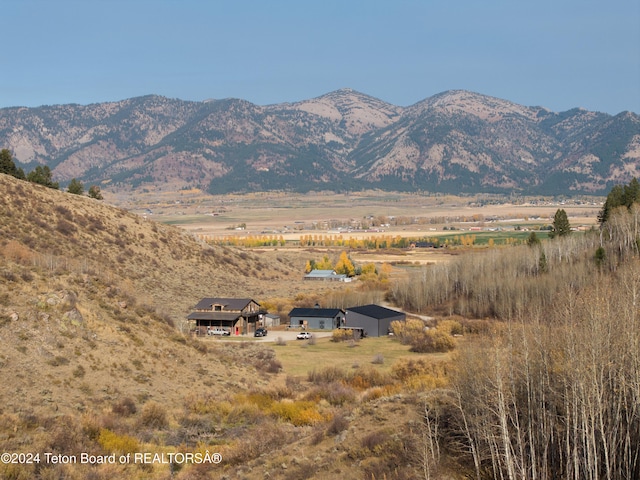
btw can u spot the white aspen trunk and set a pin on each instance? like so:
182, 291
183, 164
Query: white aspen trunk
502, 418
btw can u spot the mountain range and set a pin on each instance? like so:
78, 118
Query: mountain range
453, 142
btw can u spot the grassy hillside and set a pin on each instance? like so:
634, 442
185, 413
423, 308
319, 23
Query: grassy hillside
59, 232
93, 359
94, 299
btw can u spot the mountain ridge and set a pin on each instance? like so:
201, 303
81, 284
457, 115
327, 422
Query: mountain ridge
455, 141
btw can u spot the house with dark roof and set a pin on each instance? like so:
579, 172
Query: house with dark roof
239, 316
316, 318
374, 320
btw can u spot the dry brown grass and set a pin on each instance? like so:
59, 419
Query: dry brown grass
93, 358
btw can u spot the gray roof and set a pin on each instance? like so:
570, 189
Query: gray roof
214, 316
315, 312
234, 304
324, 274
376, 311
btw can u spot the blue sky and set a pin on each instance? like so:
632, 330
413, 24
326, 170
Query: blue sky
558, 54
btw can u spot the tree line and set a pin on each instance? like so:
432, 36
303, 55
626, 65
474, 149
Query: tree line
42, 175
552, 390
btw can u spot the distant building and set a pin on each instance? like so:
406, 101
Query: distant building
326, 275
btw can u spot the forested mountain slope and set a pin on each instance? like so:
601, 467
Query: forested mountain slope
456, 141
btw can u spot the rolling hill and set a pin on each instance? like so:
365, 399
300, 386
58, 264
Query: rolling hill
93, 302
95, 359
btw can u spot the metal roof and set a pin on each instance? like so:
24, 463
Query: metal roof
315, 312
375, 311
324, 274
223, 316
227, 303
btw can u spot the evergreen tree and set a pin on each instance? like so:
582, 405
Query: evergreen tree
600, 256
561, 226
8, 166
620, 195
42, 176
631, 193
542, 262
533, 239
75, 187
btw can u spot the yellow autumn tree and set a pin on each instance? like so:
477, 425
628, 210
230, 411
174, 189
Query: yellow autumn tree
345, 266
324, 264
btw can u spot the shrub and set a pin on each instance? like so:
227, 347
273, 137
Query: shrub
264, 438
114, 443
433, 341
16, 471
406, 331
342, 335
264, 359
124, 407
272, 366
66, 436
405, 368
477, 326
154, 415
298, 413
65, 227
452, 327
338, 424
261, 399
208, 405
380, 392
326, 375
368, 377
64, 212
375, 440
57, 361
302, 471
27, 276
336, 393
245, 413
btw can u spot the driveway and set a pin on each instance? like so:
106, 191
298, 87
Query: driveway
288, 335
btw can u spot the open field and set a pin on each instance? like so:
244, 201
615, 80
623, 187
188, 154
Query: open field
353, 214
361, 215
299, 358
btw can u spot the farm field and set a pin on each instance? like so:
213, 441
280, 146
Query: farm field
353, 217
356, 215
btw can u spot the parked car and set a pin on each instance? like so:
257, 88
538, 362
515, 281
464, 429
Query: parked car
303, 336
260, 332
218, 331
